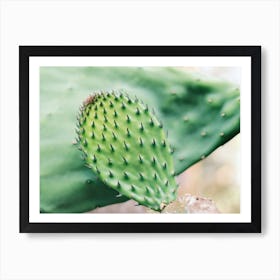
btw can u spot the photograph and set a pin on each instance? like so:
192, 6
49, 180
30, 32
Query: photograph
139, 139
146, 136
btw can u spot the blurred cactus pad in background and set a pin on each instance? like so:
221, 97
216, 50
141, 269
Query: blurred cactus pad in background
197, 115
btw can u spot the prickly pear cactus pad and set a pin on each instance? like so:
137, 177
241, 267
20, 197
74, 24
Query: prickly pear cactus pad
125, 144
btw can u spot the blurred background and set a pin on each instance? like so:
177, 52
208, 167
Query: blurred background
216, 177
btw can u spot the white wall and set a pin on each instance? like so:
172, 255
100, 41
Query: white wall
136, 256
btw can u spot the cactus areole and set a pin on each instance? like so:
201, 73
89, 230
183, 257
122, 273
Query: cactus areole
126, 146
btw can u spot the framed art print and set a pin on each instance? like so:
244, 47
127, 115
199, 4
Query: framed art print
140, 138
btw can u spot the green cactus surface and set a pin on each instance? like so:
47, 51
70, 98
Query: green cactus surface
125, 144
199, 114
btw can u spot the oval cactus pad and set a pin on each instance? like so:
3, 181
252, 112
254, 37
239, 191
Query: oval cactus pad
126, 146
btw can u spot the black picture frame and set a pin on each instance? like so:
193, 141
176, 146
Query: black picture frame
25, 52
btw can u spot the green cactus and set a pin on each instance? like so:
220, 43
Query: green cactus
124, 143
199, 115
